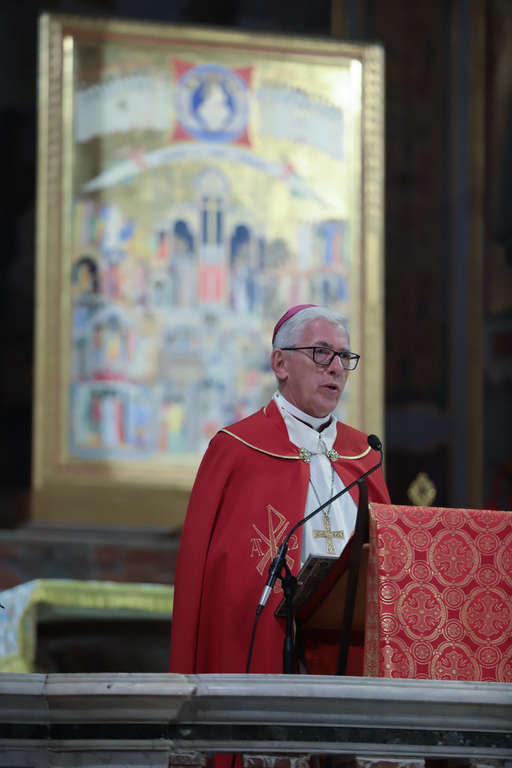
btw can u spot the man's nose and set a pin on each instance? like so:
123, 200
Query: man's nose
336, 364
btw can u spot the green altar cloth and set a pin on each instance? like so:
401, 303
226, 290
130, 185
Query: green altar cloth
62, 599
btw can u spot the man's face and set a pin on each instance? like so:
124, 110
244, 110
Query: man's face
314, 389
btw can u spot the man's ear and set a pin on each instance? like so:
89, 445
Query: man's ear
279, 364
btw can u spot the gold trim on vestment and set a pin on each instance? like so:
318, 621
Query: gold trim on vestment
359, 456
255, 447
281, 456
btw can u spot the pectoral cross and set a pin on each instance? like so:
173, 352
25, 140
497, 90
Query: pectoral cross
329, 535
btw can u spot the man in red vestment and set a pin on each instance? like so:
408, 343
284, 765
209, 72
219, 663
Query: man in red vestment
257, 479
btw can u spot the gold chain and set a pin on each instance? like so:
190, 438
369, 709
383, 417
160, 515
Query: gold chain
326, 511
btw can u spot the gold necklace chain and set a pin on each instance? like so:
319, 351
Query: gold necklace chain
324, 452
327, 510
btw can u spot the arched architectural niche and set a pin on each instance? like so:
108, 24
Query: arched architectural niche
212, 194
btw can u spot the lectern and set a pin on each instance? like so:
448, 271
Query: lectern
432, 597
329, 605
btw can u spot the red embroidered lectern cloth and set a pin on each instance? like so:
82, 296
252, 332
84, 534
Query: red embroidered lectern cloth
439, 594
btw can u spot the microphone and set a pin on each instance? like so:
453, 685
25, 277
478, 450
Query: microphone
279, 561
276, 566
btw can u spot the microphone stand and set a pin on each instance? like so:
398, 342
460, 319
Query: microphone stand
289, 584
288, 581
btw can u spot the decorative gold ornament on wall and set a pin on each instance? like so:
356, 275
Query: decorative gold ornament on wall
422, 490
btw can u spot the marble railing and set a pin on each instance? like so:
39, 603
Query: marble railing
161, 720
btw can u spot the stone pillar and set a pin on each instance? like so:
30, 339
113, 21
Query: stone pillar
477, 762
378, 762
275, 761
189, 760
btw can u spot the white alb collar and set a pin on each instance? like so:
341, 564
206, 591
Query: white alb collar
301, 434
310, 420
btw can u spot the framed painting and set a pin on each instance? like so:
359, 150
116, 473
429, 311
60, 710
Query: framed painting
193, 185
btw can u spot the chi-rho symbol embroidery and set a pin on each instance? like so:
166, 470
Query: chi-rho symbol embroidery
266, 547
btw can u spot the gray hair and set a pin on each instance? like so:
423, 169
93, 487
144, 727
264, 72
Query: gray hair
291, 331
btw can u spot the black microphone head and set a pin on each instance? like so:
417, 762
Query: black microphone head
374, 442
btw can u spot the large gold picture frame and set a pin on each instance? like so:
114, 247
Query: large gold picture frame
193, 184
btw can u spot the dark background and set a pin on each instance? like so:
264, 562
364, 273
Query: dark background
448, 248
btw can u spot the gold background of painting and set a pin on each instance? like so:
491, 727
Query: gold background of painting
155, 491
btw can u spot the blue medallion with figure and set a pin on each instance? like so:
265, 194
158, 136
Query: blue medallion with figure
211, 103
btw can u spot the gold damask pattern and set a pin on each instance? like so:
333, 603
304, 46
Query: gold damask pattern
439, 594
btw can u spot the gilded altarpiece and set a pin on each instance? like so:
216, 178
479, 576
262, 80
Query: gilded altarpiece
193, 184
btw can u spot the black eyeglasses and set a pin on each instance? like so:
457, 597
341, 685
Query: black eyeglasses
325, 356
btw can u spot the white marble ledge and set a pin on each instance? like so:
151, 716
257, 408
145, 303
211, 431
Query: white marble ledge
45, 758
22, 698
255, 699
94, 698
351, 701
